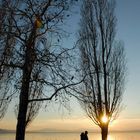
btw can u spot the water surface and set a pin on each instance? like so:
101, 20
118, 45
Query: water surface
73, 136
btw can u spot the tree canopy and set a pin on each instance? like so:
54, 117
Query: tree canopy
102, 60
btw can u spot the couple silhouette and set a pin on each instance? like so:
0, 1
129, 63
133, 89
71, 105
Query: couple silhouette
84, 136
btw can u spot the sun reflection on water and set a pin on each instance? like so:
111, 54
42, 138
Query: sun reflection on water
109, 138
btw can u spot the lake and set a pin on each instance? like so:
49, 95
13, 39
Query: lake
73, 136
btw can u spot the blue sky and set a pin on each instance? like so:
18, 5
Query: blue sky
128, 30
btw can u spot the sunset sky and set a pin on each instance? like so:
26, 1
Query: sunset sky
128, 30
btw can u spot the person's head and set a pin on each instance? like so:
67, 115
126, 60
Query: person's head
86, 132
82, 134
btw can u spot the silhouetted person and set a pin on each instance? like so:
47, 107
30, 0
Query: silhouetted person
86, 135
82, 136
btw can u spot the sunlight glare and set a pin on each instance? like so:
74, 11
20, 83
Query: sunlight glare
104, 119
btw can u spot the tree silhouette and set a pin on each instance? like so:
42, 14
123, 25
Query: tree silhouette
7, 42
32, 62
102, 60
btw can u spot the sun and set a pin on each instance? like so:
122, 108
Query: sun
104, 119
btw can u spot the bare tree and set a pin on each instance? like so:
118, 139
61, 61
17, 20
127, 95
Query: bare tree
6, 44
102, 60
33, 107
32, 62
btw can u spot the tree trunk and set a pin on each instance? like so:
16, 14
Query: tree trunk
20, 130
24, 94
23, 105
104, 132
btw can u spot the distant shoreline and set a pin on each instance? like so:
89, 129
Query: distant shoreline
4, 131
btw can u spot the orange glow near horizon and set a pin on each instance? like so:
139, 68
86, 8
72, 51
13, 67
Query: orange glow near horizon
74, 123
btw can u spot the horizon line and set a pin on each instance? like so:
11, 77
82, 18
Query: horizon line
67, 131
